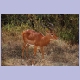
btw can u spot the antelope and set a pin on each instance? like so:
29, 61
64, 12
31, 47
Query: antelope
31, 37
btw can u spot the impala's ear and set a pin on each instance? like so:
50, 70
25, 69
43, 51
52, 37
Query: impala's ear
47, 31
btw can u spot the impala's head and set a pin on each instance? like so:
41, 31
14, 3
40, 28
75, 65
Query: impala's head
51, 35
54, 36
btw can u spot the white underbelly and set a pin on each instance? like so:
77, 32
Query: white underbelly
29, 44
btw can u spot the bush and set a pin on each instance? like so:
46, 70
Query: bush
66, 25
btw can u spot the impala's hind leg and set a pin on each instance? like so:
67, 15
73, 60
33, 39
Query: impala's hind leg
27, 46
23, 48
42, 52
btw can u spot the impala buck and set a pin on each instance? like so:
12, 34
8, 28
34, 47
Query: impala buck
31, 37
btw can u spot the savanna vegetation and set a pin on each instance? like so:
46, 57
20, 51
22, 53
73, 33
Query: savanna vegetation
64, 51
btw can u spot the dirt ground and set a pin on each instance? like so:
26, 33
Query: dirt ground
57, 53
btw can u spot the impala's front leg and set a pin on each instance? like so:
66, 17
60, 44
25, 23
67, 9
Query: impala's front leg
35, 50
42, 52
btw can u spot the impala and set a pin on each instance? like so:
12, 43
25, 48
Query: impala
31, 37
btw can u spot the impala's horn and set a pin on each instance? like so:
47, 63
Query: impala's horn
50, 27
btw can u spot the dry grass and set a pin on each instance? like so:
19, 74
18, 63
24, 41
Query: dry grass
57, 53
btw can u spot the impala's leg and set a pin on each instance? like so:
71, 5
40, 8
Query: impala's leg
23, 48
42, 52
27, 46
35, 50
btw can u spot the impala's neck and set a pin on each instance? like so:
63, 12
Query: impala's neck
45, 40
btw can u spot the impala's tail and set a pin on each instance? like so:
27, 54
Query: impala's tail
23, 35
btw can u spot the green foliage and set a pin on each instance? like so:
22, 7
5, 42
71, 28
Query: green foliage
66, 25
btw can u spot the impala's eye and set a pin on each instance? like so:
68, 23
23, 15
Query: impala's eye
52, 34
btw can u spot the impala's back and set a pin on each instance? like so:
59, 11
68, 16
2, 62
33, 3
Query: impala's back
30, 36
